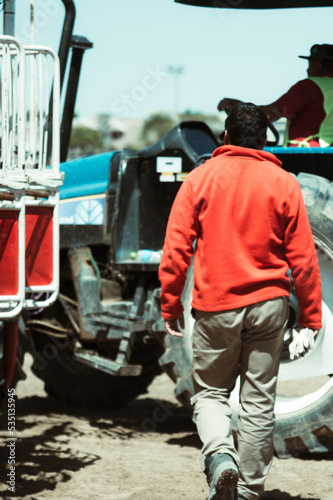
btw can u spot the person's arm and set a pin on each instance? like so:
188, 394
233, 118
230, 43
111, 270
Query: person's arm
290, 104
301, 254
227, 104
182, 230
287, 106
272, 113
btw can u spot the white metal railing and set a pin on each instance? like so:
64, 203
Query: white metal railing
29, 186
41, 63
44, 68
12, 68
12, 196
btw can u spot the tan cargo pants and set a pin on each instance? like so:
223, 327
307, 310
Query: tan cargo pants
246, 341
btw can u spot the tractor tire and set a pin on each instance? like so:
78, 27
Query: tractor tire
304, 404
77, 384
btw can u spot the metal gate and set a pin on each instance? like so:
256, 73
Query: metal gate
29, 176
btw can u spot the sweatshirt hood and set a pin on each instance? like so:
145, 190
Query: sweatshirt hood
257, 154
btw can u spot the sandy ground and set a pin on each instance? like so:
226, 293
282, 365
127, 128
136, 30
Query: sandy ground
146, 451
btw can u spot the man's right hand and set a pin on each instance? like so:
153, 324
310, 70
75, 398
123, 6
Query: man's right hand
171, 325
227, 104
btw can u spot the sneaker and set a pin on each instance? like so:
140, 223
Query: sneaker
222, 476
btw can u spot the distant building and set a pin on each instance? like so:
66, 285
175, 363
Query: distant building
116, 134
131, 137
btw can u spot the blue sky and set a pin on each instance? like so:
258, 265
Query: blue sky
251, 55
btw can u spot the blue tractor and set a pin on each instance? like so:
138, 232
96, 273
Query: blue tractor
103, 341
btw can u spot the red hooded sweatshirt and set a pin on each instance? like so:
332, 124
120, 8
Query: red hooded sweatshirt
250, 225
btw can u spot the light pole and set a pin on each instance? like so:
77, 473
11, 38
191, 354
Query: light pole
176, 71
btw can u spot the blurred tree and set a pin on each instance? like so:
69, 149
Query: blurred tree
156, 127
86, 139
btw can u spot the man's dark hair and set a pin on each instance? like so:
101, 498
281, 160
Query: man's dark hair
247, 126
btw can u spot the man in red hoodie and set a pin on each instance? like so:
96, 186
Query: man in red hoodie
248, 219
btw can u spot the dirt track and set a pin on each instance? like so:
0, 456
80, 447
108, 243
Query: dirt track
147, 451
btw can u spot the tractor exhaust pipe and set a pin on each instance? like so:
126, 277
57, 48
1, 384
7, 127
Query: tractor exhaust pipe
65, 43
79, 45
9, 17
66, 37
